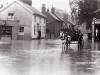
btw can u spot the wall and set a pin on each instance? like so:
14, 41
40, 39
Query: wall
50, 22
14, 25
58, 27
42, 24
53, 26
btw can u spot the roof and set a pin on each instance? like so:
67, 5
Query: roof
56, 18
59, 17
34, 10
30, 9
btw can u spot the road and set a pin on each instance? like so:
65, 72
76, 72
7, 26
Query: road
46, 57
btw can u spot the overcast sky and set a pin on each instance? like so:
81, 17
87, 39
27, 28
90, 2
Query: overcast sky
59, 4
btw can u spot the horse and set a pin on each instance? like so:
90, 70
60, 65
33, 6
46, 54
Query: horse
66, 39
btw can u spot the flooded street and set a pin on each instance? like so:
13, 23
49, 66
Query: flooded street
46, 57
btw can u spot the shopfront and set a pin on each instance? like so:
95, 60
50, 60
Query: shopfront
97, 30
5, 32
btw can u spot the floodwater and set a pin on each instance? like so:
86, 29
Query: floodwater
46, 57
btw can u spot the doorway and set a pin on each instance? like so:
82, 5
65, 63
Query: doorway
97, 32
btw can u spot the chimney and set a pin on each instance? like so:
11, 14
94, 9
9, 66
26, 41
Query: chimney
53, 10
43, 9
1, 6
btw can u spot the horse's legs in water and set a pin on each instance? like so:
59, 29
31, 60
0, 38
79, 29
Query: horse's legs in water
63, 45
69, 45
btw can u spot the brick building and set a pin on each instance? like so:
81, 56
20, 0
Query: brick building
54, 22
56, 19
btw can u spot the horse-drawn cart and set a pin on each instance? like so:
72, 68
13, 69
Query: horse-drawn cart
71, 37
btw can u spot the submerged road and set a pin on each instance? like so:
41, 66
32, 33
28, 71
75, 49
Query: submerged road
46, 57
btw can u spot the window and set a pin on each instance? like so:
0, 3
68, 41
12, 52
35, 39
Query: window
34, 30
37, 26
40, 19
44, 29
34, 18
10, 14
21, 29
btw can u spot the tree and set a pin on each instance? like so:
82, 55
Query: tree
83, 11
86, 11
74, 9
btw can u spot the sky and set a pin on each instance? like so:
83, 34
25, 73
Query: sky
58, 4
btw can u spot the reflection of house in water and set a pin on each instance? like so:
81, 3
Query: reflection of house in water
56, 19
29, 20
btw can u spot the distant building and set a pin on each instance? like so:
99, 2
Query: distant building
65, 17
54, 23
30, 20
56, 19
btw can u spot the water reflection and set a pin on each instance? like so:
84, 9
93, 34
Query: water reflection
46, 57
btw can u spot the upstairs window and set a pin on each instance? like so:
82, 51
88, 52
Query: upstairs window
40, 19
34, 30
10, 14
34, 18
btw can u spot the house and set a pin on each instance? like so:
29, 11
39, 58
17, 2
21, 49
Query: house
30, 20
65, 17
54, 22
56, 19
